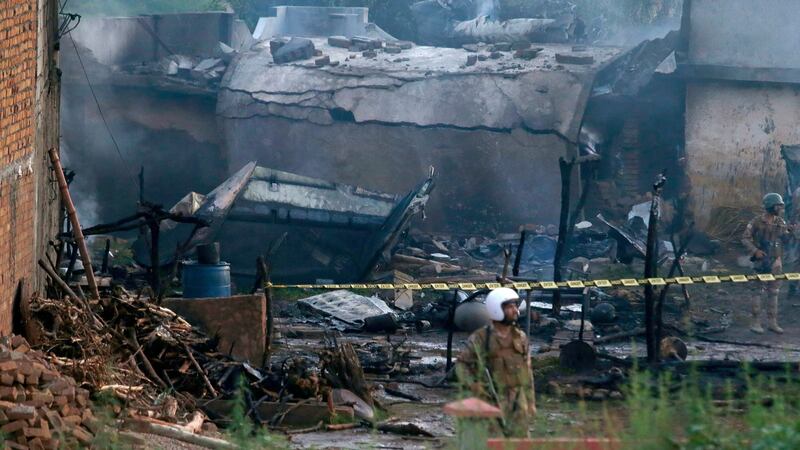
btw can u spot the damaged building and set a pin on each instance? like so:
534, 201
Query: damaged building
493, 119
741, 103
29, 113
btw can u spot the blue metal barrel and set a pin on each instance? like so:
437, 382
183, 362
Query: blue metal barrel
206, 280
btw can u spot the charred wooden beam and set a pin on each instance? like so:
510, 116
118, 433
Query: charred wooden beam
651, 269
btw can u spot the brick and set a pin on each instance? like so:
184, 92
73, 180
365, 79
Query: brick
45, 397
14, 426
8, 393
55, 421
82, 435
21, 412
7, 379
15, 446
33, 432
73, 420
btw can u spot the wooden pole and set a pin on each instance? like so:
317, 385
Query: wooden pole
76, 225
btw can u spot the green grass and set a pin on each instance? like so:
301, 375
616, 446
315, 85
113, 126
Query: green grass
667, 412
243, 433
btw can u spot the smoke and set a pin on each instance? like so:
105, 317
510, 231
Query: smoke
486, 8
163, 132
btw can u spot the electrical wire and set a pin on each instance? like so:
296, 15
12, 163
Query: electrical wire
100, 109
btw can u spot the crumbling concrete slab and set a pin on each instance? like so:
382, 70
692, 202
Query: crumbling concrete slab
389, 117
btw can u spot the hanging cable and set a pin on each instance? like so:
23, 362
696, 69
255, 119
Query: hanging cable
100, 109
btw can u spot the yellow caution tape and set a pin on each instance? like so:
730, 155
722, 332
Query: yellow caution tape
551, 285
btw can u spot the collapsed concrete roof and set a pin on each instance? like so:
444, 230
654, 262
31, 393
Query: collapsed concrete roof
422, 86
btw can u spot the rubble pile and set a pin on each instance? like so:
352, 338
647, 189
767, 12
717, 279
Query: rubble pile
200, 71
140, 348
285, 50
39, 407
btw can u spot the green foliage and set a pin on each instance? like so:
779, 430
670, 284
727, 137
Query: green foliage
243, 432
103, 411
689, 418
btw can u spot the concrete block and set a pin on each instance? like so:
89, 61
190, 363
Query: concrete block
527, 53
472, 60
295, 50
276, 44
324, 61
392, 50
339, 41
240, 321
520, 45
502, 47
572, 58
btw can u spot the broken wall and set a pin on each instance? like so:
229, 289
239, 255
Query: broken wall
494, 130
29, 95
734, 134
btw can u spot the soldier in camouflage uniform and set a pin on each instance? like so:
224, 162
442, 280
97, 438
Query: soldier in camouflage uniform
496, 364
765, 237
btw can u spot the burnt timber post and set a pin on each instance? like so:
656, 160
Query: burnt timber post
651, 269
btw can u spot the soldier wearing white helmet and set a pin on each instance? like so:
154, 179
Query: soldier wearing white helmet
496, 363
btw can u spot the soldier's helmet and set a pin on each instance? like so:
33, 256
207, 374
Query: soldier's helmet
771, 200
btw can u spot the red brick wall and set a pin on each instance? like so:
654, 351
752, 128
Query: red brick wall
18, 64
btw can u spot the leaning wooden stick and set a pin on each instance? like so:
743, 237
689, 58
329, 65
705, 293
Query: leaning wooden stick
76, 225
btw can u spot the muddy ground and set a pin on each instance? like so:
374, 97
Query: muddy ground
716, 313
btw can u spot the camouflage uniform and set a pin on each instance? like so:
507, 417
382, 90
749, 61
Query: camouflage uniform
791, 255
509, 363
768, 233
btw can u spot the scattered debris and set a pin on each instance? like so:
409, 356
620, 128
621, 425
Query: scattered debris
574, 58
294, 50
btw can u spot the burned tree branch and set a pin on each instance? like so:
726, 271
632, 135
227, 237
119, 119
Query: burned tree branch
566, 185
651, 269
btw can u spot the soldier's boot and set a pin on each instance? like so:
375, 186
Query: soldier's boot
772, 313
755, 326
